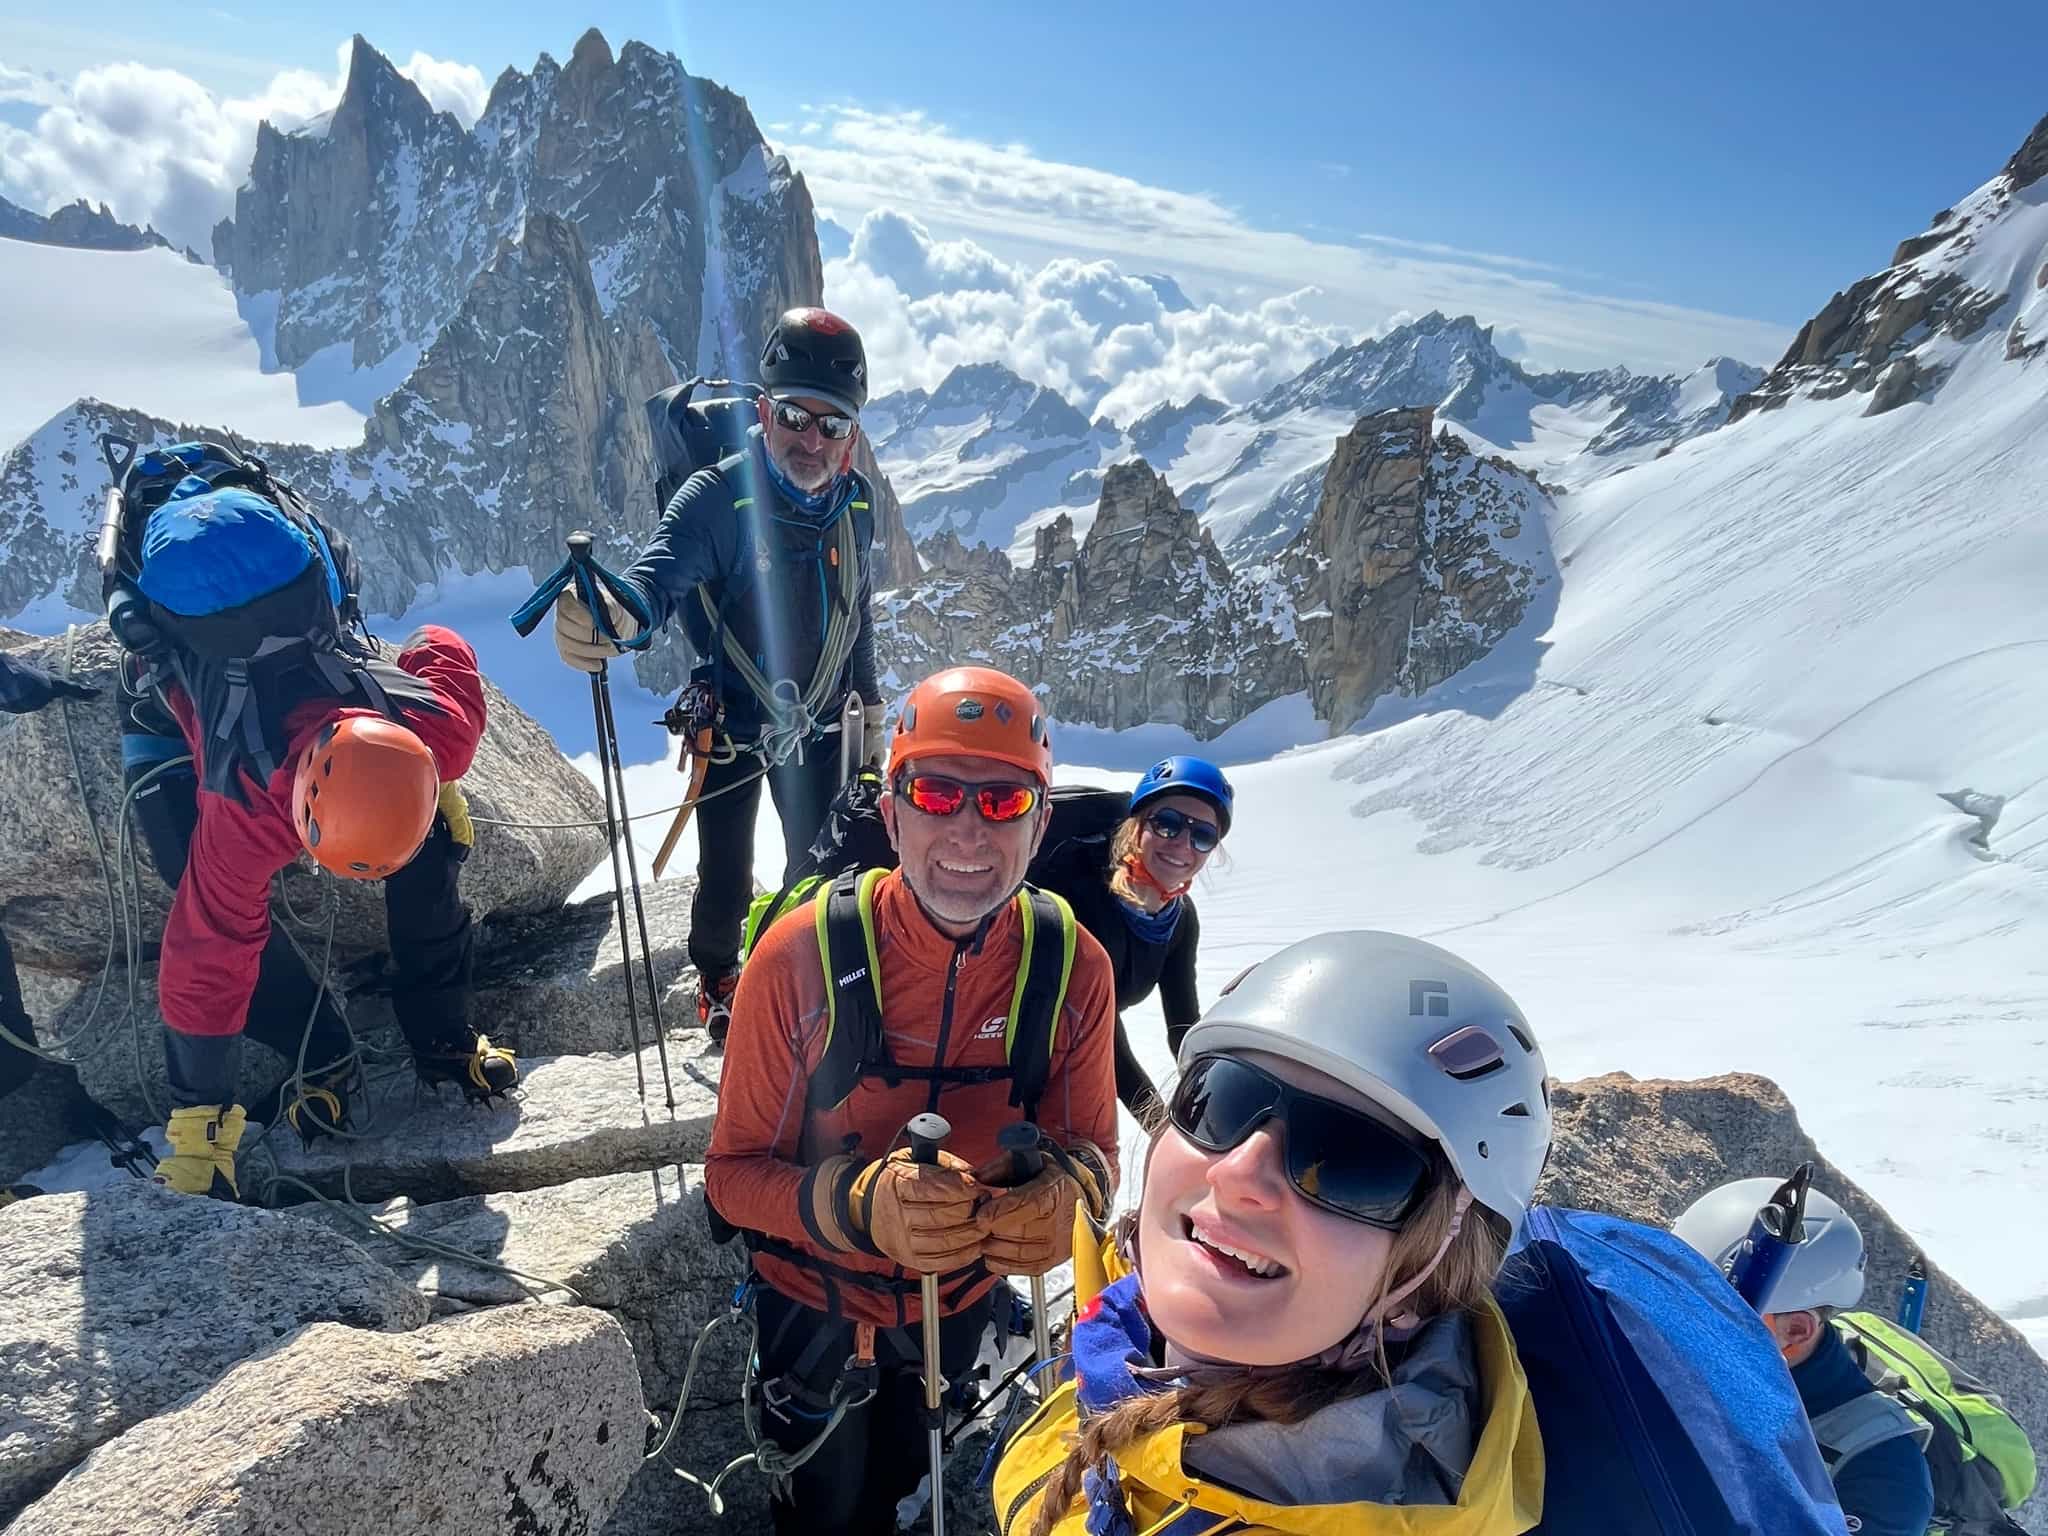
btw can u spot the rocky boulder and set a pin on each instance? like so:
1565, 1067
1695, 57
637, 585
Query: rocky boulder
523, 1419
115, 1305
1647, 1150
57, 867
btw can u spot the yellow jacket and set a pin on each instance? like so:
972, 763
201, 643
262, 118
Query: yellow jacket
1502, 1493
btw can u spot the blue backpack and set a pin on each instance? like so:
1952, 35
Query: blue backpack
224, 581
1665, 1407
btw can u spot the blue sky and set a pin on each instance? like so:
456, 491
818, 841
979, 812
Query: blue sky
1737, 165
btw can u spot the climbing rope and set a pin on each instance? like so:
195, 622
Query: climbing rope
670, 810
776, 1463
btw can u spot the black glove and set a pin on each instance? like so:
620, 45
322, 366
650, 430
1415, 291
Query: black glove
24, 687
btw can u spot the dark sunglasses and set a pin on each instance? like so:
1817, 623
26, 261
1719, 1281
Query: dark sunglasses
1337, 1158
938, 796
795, 419
1203, 836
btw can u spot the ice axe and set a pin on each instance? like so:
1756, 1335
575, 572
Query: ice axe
695, 717
592, 581
1913, 1299
1759, 1260
1021, 1142
927, 1131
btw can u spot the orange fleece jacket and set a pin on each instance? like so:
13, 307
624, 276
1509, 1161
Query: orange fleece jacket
764, 1142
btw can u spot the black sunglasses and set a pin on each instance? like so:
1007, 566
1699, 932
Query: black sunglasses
795, 419
1337, 1157
1203, 836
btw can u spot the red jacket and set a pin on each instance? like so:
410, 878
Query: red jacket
220, 917
763, 1141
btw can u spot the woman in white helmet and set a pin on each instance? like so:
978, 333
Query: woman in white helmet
1295, 1332
1872, 1444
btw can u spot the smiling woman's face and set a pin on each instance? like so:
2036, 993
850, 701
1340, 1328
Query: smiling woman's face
1173, 861
1236, 1265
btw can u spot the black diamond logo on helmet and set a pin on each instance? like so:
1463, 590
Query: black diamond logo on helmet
1004, 713
968, 709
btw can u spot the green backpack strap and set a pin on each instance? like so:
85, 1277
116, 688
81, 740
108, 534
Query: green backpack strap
1039, 998
844, 913
765, 908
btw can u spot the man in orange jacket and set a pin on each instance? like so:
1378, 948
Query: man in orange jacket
841, 1221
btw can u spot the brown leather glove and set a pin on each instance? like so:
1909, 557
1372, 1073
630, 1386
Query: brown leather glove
919, 1215
1027, 1228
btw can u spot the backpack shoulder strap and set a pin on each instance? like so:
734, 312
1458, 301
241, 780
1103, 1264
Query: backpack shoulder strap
1043, 972
844, 913
1867, 1420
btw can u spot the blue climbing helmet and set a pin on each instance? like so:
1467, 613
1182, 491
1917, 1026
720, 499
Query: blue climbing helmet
1185, 776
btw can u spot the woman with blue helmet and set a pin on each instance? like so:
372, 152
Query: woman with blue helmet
1130, 889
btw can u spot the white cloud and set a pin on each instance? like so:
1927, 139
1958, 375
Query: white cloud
160, 148
448, 86
1098, 335
1008, 200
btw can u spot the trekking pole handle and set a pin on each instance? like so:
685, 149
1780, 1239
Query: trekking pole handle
927, 1131
1021, 1142
580, 545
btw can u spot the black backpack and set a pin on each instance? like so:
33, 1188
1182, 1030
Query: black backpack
690, 435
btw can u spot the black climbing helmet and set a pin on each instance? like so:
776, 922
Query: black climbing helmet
814, 352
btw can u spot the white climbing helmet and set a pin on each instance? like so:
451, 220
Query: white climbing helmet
1826, 1270
1416, 1030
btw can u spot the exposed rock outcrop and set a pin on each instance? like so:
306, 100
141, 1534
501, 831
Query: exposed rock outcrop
519, 1420
1418, 559
115, 1305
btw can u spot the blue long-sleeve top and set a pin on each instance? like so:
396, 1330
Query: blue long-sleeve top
767, 567
1887, 1488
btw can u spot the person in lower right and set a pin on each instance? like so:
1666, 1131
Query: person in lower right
1871, 1444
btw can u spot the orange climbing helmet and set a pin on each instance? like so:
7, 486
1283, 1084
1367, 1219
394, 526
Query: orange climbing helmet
973, 712
364, 797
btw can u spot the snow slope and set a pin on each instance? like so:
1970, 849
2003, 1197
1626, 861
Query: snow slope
79, 323
1712, 836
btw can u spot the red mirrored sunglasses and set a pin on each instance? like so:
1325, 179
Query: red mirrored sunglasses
936, 795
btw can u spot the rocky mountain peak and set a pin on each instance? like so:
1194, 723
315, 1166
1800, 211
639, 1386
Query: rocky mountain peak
79, 226
945, 553
591, 53
1892, 335
371, 229
2029, 163
376, 94
1418, 559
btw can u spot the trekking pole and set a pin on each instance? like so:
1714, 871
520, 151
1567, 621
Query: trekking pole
1021, 1142
1913, 1300
926, 1132
589, 576
592, 581
1760, 1258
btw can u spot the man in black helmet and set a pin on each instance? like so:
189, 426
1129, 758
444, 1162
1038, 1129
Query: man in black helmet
765, 558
